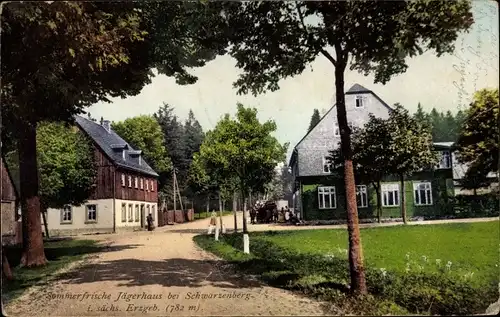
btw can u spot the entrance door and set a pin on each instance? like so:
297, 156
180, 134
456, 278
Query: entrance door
143, 216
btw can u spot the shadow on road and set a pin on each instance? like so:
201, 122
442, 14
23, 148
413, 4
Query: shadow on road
171, 272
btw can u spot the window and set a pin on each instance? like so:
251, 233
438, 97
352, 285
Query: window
153, 212
152, 186
326, 198
130, 212
359, 101
136, 213
136, 182
336, 129
362, 196
390, 195
129, 181
422, 193
123, 180
445, 160
67, 214
142, 183
91, 215
326, 165
147, 210
147, 185
124, 212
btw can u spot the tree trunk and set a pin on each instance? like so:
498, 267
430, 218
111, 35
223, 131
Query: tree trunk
6, 267
33, 251
379, 201
357, 272
403, 199
220, 211
235, 206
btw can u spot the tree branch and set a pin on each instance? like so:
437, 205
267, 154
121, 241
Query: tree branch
321, 50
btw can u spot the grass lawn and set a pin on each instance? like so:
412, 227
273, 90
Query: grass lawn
59, 254
206, 215
315, 262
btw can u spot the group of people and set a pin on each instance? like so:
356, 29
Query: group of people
273, 215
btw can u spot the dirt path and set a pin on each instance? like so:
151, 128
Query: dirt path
161, 273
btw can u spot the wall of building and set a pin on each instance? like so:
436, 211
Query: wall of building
126, 192
441, 185
78, 223
134, 222
322, 139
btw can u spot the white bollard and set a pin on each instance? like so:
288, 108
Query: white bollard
223, 228
216, 233
246, 243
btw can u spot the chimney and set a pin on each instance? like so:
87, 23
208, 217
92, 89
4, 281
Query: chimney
106, 124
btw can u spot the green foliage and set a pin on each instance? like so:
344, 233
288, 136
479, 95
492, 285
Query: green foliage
243, 148
65, 164
144, 133
314, 262
314, 120
478, 145
302, 30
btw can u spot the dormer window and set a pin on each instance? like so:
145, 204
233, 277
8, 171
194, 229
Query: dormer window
123, 155
445, 160
129, 181
359, 102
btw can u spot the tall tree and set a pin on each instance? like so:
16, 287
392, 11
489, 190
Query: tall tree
411, 148
244, 148
144, 133
192, 139
314, 120
66, 165
59, 57
420, 115
478, 144
369, 36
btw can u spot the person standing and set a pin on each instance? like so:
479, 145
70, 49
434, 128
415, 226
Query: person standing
149, 219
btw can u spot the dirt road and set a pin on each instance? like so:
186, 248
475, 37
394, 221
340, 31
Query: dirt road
158, 273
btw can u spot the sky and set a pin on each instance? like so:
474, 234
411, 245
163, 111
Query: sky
446, 83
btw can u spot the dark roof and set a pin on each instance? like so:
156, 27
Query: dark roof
357, 88
113, 145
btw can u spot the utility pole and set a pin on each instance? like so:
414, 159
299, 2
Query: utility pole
174, 182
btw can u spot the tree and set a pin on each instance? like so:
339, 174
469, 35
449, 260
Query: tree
478, 144
274, 189
144, 133
421, 116
369, 36
314, 120
66, 165
370, 146
65, 56
410, 150
243, 148
192, 138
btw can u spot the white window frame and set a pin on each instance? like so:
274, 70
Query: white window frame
427, 188
361, 102
330, 191
147, 185
142, 183
87, 213
67, 210
129, 181
136, 182
153, 209
336, 129
123, 180
444, 160
362, 191
136, 213
388, 188
326, 166
124, 212
152, 186
130, 212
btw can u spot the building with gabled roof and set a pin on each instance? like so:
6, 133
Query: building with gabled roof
125, 188
320, 195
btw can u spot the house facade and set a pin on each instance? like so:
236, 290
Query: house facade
319, 195
125, 188
9, 200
